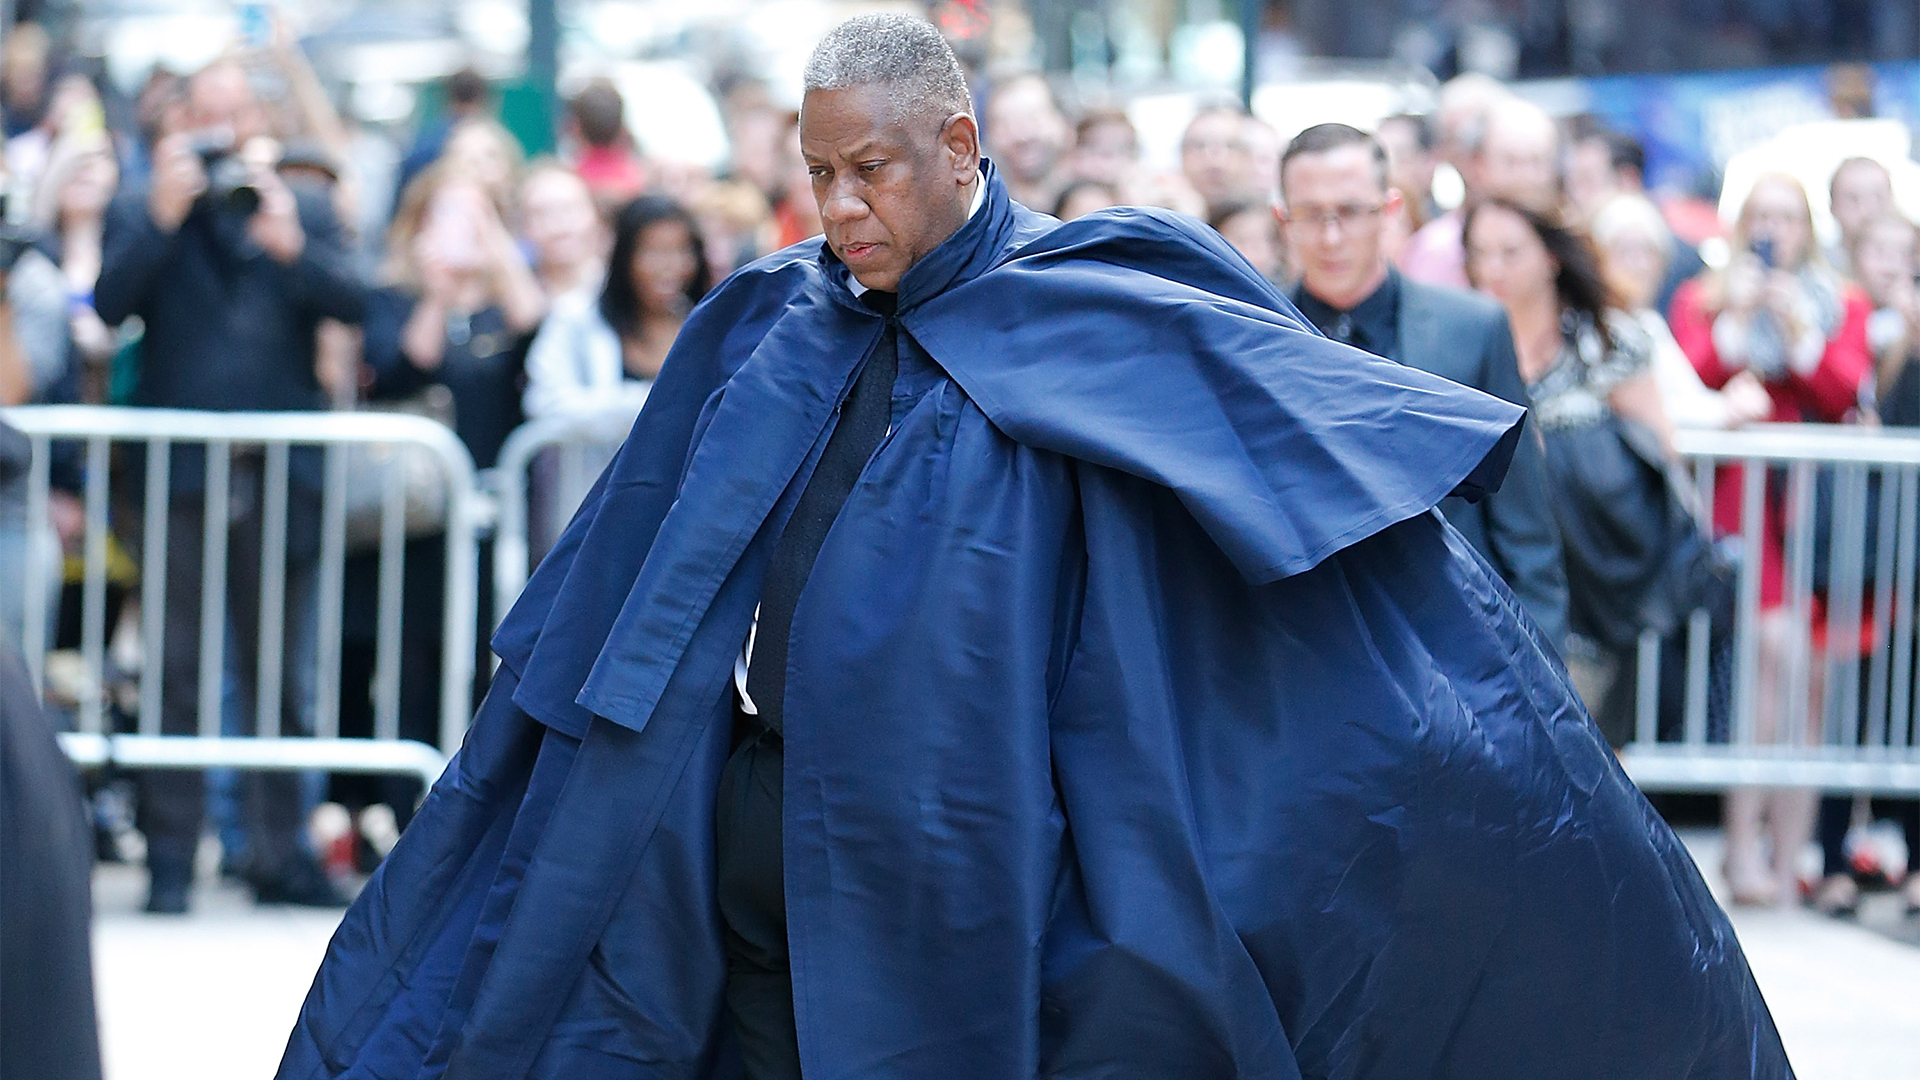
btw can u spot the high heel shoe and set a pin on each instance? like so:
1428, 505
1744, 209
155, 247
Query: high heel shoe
1837, 896
1749, 885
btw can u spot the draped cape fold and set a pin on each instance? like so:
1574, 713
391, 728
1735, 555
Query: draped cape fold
1142, 720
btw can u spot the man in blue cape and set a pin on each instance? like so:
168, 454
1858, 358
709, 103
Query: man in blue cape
1008, 649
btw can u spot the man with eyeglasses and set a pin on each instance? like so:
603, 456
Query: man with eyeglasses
1333, 181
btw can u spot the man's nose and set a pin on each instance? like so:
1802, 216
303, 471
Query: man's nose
842, 205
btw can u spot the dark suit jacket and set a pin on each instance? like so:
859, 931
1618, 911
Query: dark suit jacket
1464, 337
227, 327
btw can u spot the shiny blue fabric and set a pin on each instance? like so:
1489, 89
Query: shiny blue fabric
1142, 720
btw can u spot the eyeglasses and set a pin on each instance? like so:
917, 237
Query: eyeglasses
1348, 216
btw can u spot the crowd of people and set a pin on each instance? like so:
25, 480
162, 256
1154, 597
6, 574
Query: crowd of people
221, 252
1615, 333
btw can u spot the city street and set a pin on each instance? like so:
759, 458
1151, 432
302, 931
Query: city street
211, 996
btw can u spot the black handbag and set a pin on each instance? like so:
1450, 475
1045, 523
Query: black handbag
1636, 558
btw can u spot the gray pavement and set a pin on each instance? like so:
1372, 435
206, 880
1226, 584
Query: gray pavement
211, 996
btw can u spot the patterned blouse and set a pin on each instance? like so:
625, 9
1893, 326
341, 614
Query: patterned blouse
1574, 391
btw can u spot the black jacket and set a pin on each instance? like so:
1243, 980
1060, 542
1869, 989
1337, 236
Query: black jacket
1464, 337
227, 327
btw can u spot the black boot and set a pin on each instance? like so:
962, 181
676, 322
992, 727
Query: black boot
169, 875
300, 882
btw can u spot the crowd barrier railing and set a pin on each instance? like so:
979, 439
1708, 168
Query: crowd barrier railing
567, 453
1810, 680
399, 463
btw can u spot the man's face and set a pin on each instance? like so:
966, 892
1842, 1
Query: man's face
1409, 165
1861, 193
1029, 134
1213, 155
221, 97
1335, 205
1590, 177
891, 182
1517, 161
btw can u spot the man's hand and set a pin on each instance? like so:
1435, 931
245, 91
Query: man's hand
276, 225
178, 180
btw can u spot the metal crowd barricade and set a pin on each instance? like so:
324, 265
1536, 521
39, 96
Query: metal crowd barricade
545, 469
98, 428
1823, 685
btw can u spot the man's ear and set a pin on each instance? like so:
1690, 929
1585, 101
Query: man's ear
960, 137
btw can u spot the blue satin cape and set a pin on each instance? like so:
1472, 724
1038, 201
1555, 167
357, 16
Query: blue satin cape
1142, 721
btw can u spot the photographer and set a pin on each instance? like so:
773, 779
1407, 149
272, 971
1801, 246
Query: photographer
231, 270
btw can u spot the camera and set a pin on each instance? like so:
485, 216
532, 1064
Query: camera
229, 181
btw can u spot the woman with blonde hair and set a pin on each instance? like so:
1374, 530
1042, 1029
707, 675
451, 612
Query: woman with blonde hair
1778, 311
480, 150
446, 332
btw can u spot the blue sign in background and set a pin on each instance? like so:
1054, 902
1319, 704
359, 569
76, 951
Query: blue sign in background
1692, 123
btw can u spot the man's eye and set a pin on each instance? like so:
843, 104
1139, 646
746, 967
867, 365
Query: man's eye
870, 166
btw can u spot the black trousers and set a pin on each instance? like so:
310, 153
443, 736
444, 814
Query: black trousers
172, 803
753, 904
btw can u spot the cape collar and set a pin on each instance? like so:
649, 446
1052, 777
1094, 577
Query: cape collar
972, 250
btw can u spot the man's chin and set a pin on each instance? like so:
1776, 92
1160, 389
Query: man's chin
878, 280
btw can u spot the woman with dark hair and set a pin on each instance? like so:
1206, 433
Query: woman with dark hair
593, 354
1580, 358
1635, 560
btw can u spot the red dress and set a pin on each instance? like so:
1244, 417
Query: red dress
1824, 396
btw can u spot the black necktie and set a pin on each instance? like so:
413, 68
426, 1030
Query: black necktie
864, 418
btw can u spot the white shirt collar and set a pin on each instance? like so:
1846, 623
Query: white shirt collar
979, 200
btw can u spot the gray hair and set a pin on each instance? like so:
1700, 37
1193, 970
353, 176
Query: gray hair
903, 53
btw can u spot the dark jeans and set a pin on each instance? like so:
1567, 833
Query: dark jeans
422, 615
172, 805
753, 904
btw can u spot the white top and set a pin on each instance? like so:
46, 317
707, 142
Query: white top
1689, 403
575, 363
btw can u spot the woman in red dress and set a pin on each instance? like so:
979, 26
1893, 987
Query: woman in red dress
1779, 311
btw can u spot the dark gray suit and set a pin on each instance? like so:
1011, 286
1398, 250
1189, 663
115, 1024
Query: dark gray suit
1464, 337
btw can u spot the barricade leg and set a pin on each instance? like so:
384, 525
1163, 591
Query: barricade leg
271, 608
172, 803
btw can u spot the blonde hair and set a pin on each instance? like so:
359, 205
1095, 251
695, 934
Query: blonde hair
399, 268
1714, 290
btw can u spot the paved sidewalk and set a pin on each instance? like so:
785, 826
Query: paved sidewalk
206, 996
211, 996
1845, 995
